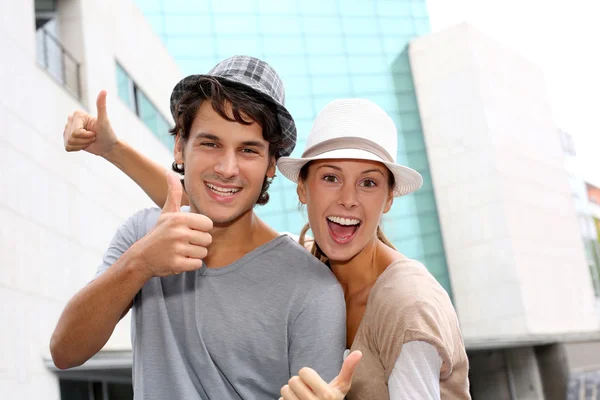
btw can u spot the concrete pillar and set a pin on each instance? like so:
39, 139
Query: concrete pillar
523, 374
554, 370
487, 374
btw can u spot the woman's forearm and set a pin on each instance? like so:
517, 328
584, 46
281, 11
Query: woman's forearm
148, 174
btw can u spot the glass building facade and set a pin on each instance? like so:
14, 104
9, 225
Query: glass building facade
323, 50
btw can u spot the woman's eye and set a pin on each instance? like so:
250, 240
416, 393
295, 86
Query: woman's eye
369, 183
329, 178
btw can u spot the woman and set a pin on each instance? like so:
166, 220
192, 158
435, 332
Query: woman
398, 316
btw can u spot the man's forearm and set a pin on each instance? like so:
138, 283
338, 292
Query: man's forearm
89, 319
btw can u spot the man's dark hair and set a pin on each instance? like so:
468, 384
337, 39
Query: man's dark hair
242, 100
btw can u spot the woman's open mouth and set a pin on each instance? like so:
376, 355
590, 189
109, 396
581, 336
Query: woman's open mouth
342, 229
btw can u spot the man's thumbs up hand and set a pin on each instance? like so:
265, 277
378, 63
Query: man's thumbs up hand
179, 240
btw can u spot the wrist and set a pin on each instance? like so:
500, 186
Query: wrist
136, 267
115, 154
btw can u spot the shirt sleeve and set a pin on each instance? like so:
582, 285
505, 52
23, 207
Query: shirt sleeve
416, 373
124, 238
409, 305
318, 335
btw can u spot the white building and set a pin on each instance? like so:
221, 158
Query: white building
58, 211
518, 266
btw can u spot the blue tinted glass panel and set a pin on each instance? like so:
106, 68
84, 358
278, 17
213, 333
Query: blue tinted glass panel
125, 87
323, 50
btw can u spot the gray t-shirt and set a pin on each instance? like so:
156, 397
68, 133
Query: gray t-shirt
236, 332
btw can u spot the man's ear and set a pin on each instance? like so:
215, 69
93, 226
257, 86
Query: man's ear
178, 149
272, 168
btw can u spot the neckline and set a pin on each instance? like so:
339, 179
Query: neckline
206, 271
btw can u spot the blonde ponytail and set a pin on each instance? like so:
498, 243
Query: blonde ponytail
381, 236
314, 248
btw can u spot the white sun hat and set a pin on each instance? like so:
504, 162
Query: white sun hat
354, 129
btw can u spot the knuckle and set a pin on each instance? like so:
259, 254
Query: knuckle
178, 247
171, 220
179, 218
329, 396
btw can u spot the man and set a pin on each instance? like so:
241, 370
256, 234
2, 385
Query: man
223, 306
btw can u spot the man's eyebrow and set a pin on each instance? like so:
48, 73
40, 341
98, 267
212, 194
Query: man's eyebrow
254, 143
204, 135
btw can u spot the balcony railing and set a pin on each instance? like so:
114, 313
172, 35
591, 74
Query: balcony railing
59, 63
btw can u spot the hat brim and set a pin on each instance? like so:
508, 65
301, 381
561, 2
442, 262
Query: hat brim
288, 126
407, 179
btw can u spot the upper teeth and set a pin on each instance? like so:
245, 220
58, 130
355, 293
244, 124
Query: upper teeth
222, 189
344, 221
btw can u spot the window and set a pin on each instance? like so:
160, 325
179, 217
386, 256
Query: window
50, 52
141, 105
125, 88
568, 145
94, 390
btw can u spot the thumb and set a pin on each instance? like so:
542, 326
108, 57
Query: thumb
101, 105
174, 193
344, 379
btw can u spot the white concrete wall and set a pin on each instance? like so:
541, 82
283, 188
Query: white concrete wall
595, 209
58, 211
514, 251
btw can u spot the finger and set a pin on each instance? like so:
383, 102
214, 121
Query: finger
199, 222
81, 142
301, 389
71, 148
197, 252
101, 106
184, 264
199, 238
78, 121
174, 192
82, 134
344, 379
288, 394
314, 381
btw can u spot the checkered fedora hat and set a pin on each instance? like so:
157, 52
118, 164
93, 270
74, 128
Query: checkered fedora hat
255, 74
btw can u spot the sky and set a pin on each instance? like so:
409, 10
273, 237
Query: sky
563, 38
